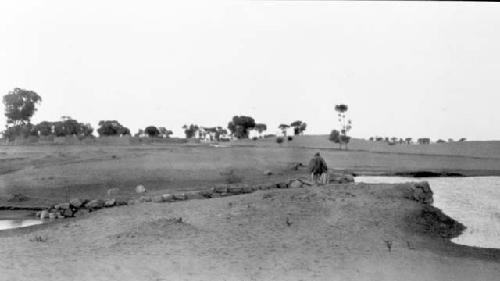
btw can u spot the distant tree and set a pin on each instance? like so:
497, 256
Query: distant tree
86, 129
20, 105
240, 125
260, 127
335, 137
379, 139
44, 128
190, 130
408, 140
112, 128
450, 140
462, 139
152, 131
280, 140
371, 139
345, 125
164, 133
440, 141
298, 127
283, 128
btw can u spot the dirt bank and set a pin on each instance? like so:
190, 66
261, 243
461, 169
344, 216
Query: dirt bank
335, 232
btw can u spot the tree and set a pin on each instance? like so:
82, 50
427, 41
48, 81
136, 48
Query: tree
20, 105
44, 128
260, 127
408, 140
345, 126
283, 128
112, 128
190, 130
335, 137
152, 131
240, 125
298, 127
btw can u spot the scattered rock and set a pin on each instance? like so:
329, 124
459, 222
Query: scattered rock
95, 204
193, 195
306, 182
158, 199
295, 184
77, 202
340, 178
247, 188
179, 197
52, 216
110, 203
282, 185
167, 198
81, 212
235, 189
145, 199
67, 212
140, 189
220, 188
206, 193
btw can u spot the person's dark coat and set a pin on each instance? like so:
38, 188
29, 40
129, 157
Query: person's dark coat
317, 165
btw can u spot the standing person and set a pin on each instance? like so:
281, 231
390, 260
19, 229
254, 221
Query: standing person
318, 169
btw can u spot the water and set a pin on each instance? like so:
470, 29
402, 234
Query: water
473, 201
8, 224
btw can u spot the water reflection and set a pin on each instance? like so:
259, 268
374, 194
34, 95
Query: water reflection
8, 224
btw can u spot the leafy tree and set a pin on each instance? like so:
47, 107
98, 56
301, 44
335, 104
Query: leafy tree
112, 128
164, 133
345, 125
298, 127
408, 140
190, 130
260, 127
152, 131
335, 137
283, 128
20, 105
240, 125
462, 139
44, 128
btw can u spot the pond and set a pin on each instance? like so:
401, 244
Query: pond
473, 201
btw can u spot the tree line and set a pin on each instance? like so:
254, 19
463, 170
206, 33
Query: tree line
21, 105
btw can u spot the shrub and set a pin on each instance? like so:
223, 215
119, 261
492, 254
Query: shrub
290, 138
280, 140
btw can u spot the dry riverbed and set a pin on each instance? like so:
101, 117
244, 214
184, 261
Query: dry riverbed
334, 232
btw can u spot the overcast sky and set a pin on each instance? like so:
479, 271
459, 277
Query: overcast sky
406, 69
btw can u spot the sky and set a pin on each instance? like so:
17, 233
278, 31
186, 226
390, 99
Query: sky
405, 69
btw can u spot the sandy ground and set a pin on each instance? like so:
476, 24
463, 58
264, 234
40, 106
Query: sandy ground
334, 232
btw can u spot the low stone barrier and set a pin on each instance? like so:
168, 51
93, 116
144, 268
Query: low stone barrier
78, 206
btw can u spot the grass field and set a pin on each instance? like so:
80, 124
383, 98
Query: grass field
52, 173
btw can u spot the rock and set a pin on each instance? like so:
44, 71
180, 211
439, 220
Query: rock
52, 216
114, 191
110, 203
282, 185
145, 199
140, 189
221, 188
67, 212
295, 184
63, 206
268, 173
120, 202
193, 195
339, 178
81, 212
247, 188
215, 195
167, 198
77, 202
44, 214
157, 199
206, 193
235, 189
179, 197
95, 204
131, 202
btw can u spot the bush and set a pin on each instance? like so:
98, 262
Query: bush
280, 140
255, 138
290, 138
